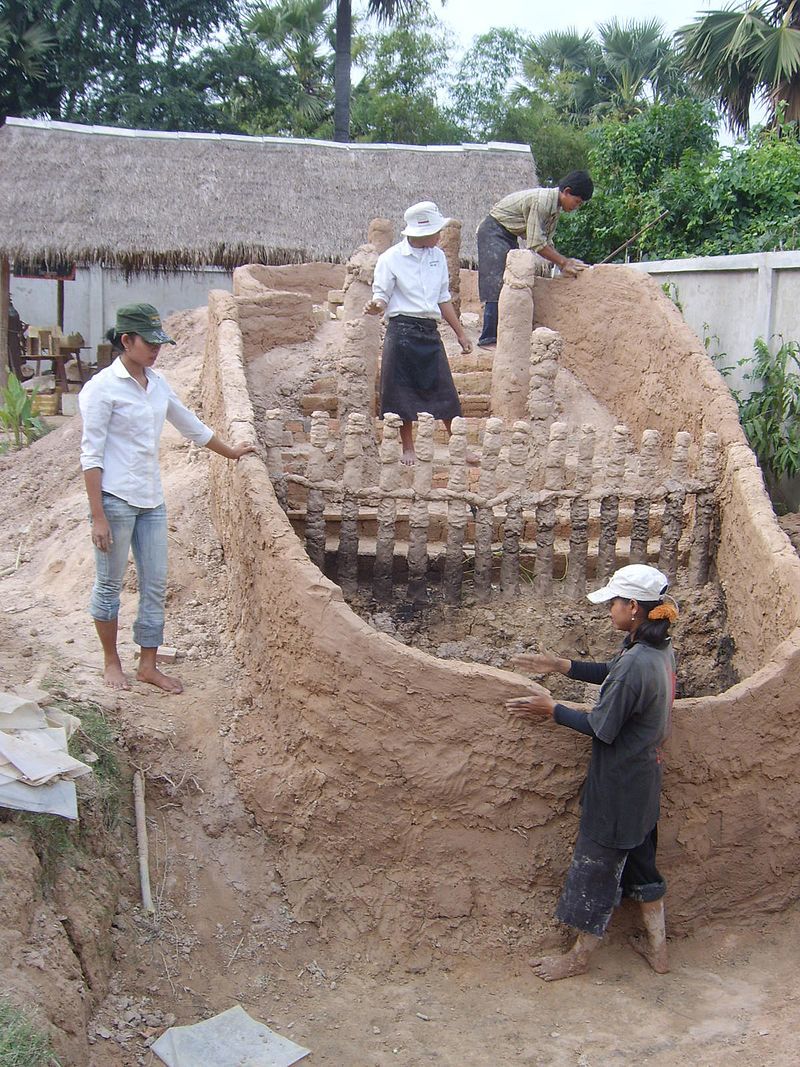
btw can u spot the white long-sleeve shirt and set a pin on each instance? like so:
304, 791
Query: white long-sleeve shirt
412, 281
122, 424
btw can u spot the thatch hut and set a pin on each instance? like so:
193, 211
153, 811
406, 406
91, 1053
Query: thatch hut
142, 200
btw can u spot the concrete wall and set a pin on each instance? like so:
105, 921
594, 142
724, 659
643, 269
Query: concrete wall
732, 300
91, 301
413, 812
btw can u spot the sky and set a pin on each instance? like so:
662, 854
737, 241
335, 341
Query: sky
468, 18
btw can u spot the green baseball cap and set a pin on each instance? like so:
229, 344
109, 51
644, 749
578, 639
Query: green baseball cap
143, 319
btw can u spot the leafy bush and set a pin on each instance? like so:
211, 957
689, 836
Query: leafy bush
719, 202
769, 415
16, 413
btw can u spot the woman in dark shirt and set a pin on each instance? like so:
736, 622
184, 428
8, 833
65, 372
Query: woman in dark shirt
616, 847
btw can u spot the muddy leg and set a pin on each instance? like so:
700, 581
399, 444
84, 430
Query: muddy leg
576, 961
654, 945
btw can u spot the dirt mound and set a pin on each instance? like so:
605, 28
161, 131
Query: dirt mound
223, 933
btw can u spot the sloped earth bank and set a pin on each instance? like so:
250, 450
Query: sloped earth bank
222, 933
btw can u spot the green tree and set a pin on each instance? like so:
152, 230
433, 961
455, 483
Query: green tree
631, 66
385, 11
27, 40
397, 99
630, 161
298, 33
483, 80
745, 54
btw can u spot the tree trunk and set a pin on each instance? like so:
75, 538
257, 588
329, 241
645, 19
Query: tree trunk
341, 76
4, 339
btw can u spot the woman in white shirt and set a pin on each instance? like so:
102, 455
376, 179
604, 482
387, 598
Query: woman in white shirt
123, 409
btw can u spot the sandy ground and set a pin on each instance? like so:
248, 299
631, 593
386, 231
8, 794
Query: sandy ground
222, 933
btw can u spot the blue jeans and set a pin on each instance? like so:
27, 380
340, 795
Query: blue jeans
144, 530
490, 316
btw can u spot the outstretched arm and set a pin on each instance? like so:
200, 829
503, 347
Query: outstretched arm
572, 267
450, 317
222, 448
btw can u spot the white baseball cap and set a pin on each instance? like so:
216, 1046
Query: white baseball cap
635, 582
423, 219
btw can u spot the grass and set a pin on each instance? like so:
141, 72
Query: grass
21, 1043
53, 837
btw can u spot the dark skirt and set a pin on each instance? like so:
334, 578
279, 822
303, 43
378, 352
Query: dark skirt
415, 374
599, 877
494, 244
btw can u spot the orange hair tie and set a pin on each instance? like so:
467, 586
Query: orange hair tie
663, 611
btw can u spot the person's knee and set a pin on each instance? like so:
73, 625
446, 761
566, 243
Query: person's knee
105, 599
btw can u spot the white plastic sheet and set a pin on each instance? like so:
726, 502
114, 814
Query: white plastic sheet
230, 1039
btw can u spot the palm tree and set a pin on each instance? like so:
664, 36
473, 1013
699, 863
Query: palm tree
739, 54
631, 66
639, 67
25, 44
385, 11
299, 31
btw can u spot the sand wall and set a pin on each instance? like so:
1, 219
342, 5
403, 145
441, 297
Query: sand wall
629, 344
414, 813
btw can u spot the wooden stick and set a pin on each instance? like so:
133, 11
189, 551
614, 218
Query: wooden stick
141, 842
630, 240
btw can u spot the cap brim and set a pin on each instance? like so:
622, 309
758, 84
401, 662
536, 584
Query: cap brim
600, 596
158, 337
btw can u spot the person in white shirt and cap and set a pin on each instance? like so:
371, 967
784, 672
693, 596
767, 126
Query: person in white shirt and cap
411, 287
615, 853
123, 409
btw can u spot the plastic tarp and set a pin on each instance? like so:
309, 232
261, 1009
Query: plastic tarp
231, 1039
36, 770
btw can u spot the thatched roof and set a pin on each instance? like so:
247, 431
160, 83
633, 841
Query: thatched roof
144, 200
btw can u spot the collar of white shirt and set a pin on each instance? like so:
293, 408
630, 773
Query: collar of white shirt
121, 371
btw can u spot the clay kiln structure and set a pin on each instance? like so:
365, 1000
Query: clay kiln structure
414, 814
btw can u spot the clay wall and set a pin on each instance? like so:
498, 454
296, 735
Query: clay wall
628, 343
413, 811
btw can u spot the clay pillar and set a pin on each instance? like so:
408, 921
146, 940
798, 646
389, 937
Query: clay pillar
484, 520
672, 523
514, 525
380, 234
546, 509
705, 511
511, 364
273, 442
360, 269
575, 583
646, 481
390, 452
450, 244
456, 513
545, 350
351, 482
357, 366
316, 470
609, 505
419, 511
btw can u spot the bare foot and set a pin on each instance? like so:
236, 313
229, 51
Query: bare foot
115, 677
153, 676
655, 956
553, 968
408, 458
